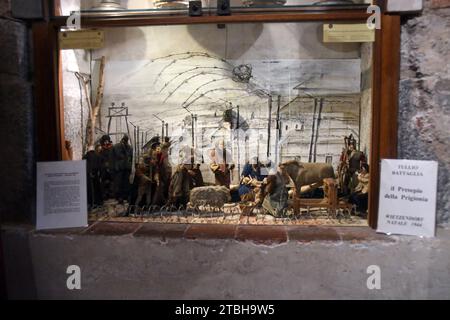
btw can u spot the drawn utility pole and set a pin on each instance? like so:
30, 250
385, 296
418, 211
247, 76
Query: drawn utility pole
193, 123
163, 126
278, 135
119, 127
269, 127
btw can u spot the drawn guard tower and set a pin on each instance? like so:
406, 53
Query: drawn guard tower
120, 124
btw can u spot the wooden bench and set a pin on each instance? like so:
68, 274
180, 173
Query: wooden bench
330, 202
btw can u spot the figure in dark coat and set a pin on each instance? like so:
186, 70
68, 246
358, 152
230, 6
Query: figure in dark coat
93, 168
196, 177
144, 183
349, 166
122, 160
106, 168
360, 196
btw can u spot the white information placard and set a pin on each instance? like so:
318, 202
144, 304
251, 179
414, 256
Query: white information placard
408, 197
61, 195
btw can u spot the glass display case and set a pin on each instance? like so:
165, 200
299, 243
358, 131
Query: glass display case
262, 117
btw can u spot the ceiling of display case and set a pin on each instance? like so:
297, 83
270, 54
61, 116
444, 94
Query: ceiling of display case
67, 6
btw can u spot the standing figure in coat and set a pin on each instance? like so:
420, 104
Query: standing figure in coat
350, 164
144, 183
196, 176
165, 167
93, 168
106, 168
180, 186
164, 171
123, 160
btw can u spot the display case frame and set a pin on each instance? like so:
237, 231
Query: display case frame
385, 76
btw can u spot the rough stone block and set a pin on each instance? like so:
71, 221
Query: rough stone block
404, 5
5, 8
18, 265
125, 267
13, 55
211, 195
27, 9
436, 4
17, 154
424, 106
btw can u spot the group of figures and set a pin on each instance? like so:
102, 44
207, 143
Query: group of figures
153, 181
113, 173
108, 169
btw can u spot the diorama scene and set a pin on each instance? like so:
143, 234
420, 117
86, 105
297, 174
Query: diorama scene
237, 124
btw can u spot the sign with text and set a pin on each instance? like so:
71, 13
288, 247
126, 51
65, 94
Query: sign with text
408, 197
61, 195
359, 32
81, 39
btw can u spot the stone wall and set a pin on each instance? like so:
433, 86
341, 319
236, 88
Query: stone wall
424, 111
16, 119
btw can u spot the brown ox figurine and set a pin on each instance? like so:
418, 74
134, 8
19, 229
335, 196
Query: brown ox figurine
308, 176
